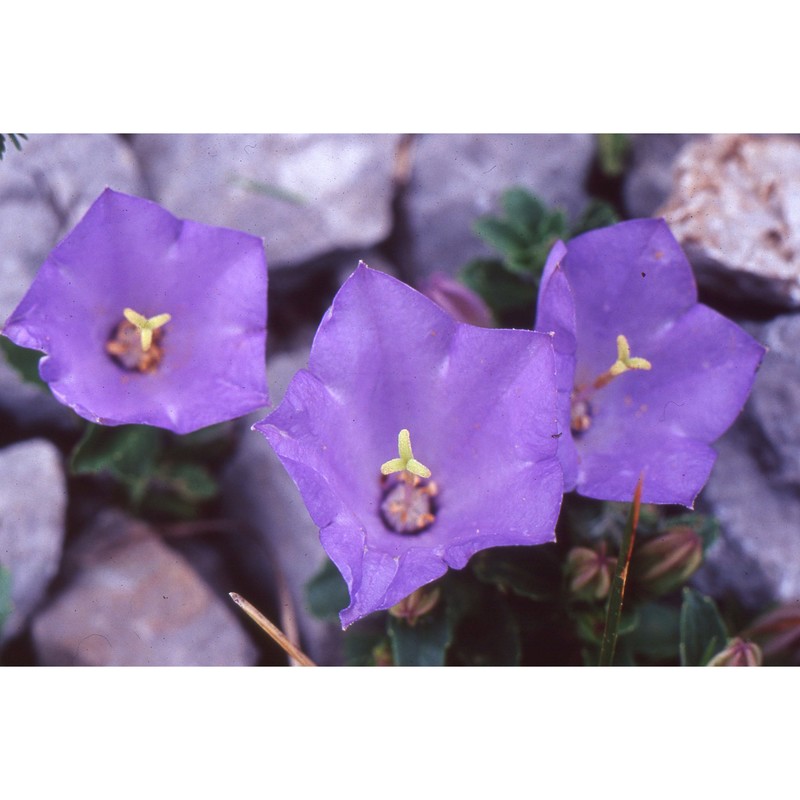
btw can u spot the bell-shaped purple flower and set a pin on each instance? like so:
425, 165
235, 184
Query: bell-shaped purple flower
145, 318
647, 376
416, 440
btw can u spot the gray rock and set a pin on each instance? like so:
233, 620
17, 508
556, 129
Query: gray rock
305, 194
775, 402
735, 208
129, 600
649, 179
260, 494
32, 504
757, 557
44, 190
457, 178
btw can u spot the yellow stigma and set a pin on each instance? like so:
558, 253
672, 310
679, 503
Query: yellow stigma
406, 461
624, 361
146, 326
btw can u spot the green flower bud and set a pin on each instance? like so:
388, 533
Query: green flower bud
778, 632
665, 562
589, 572
738, 653
416, 605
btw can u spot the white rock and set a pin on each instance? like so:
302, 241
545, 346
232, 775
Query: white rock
735, 209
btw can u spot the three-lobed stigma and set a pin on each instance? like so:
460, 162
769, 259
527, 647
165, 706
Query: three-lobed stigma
135, 344
408, 498
581, 412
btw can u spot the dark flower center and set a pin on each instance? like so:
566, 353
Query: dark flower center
581, 416
408, 502
124, 345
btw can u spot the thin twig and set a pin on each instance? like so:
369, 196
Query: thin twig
614, 609
272, 630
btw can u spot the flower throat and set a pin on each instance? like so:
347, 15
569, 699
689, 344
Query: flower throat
136, 343
581, 407
408, 496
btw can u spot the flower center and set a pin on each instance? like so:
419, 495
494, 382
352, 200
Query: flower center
408, 496
581, 412
135, 343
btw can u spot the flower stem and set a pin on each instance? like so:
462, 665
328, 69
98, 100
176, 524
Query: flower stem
614, 608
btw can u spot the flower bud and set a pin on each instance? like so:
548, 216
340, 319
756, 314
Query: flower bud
416, 605
665, 562
457, 300
382, 654
778, 632
738, 653
589, 572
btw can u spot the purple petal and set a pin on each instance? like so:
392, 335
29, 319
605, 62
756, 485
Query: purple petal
556, 314
633, 279
386, 358
129, 252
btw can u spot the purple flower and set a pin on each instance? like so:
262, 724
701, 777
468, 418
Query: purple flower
145, 318
647, 376
390, 371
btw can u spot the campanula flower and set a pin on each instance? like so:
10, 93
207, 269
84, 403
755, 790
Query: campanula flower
648, 377
145, 318
416, 440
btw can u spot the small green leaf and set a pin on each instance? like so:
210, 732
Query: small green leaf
191, 482
499, 289
532, 572
128, 453
524, 210
23, 360
360, 644
612, 151
657, 636
703, 633
501, 235
14, 141
598, 214
326, 593
423, 644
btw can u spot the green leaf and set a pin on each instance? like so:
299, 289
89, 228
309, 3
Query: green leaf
524, 210
612, 151
191, 482
657, 635
423, 644
326, 593
532, 572
598, 214
6, 606
501, 235
23, 360
500, 290
489, 635
703, 633
128, 453
360, 644
14, 141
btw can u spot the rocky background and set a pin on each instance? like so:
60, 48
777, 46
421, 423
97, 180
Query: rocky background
94, 586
